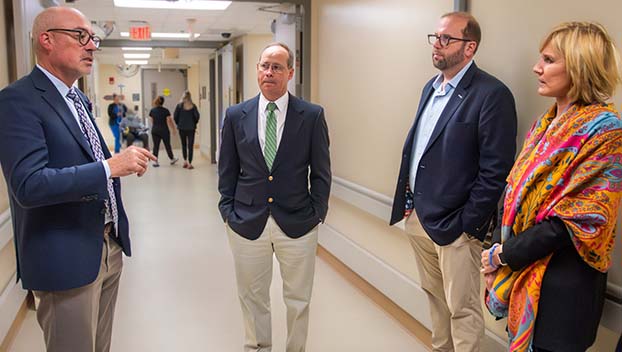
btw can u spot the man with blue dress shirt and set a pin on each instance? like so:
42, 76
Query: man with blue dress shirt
454, 164
69, 223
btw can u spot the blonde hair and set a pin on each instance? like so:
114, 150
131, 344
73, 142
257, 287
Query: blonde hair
592, 60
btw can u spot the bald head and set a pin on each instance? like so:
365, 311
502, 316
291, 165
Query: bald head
52, 17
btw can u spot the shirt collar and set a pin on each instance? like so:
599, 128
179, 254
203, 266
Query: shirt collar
281, 103
453, 83
60, 85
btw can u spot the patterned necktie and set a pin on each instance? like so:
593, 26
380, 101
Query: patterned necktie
269, 150
91, 136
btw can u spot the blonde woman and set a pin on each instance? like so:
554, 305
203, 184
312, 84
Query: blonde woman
186, 118
549, 273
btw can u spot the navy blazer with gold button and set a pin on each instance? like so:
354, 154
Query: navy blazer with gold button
295, 192
56, 187
463, 168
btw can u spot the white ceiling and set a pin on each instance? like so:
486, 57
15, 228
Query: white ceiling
239, 18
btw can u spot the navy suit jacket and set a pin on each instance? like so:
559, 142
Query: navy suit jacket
56, 188
296, 192
462, 171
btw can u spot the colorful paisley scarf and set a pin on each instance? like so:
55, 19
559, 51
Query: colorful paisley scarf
570, 168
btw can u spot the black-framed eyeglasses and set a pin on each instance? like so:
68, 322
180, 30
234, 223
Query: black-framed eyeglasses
445, 39
83, 36
276, 68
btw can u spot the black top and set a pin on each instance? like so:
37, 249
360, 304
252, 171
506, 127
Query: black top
159, 115
572, 294
186, 120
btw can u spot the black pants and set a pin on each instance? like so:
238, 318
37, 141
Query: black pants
164, 137
132, 136
187, 143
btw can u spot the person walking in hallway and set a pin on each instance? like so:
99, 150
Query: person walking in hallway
562, 201
186, 118
453, 168
160, 120
116, 112
69, 223
274, 181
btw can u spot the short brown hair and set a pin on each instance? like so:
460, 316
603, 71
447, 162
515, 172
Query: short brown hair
471, 31
591, 58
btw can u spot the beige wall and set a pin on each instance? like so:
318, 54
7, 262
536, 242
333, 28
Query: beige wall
7, 265
371, 62
132, 85
253, 44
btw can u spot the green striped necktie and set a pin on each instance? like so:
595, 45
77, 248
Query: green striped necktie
269, 150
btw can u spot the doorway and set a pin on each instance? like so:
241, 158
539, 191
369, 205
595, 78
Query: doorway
169, 83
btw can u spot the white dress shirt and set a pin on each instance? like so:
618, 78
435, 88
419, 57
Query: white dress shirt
281, 114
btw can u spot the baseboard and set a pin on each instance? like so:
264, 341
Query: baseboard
10, 336
12, 312
380, 205
6, 233
406, 320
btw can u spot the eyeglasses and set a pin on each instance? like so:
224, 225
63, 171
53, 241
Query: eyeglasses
445, 39
276, 68
83, 36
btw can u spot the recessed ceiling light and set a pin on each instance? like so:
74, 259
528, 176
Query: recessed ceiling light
136, 49
136, 56
175, 5
166, 35
136, 62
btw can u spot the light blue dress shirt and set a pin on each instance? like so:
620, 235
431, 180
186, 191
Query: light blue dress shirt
63, 90
430, 116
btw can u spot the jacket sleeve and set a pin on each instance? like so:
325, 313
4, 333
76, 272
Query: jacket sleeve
197, 115
24, 157
320, 175
536, 243
228, 168
176, 115
497, 146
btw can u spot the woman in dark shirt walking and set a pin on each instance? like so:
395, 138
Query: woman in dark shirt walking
186, 118
160, 119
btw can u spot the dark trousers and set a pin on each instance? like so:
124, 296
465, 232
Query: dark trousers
132, 136
164, 137
187, 144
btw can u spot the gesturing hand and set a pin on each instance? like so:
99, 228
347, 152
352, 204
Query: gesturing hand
133, 160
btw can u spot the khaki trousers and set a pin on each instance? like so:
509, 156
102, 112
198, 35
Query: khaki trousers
451, 279
253, 270
80, 319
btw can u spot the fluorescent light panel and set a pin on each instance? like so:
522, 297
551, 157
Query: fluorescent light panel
136, 56
136, 49
177, 5
166, 35
136, 62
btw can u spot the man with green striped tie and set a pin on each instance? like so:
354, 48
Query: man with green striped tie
274, 182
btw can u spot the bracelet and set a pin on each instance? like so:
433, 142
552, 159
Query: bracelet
490, 255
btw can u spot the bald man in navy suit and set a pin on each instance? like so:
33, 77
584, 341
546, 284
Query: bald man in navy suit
69, 223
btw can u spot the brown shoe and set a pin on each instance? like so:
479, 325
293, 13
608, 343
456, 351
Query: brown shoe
190, 167
185, 164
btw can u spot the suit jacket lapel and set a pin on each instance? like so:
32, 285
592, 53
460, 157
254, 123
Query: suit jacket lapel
454, 102
249, 125
50, 94
293, 122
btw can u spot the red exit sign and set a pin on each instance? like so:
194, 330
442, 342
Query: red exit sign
140, 33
